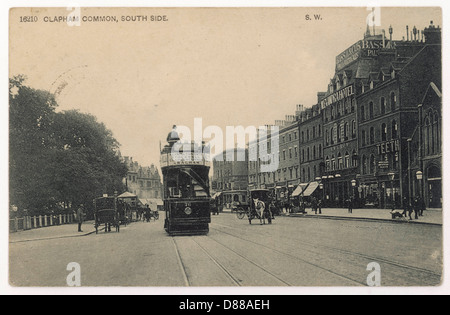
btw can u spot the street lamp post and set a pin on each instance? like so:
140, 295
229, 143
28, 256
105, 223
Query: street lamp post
353, 188
419, 176
392, 176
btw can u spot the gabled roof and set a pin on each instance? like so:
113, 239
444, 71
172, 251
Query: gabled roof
432, 88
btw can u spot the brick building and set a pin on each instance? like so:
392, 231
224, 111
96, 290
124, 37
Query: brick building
388, 116
384, 97
230, 176
143, 181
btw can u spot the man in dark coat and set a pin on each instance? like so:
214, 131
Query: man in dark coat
80, 216
350, 205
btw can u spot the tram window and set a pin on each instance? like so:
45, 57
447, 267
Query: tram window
198, 190
183, 185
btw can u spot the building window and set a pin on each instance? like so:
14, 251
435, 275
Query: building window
393, 101
346, 131
363, 113
432, 134
371, 110
340, 162
437, 133
364, 165
383, 132
363, 138
347, 160
290, 153
339, 133
383, 106
353, 129
372, 135
372, 164
333, 135
354, 159
395, 161
394, 129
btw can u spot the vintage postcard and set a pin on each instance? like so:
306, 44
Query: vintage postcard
223, 147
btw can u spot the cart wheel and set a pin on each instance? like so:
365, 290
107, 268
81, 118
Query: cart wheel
240, 214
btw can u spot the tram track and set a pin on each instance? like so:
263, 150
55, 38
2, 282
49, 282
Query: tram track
181, 264
234, 279
314, 249
263, 269
304, 261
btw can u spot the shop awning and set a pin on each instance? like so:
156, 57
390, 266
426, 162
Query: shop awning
310, 189
127, 195
299, 190
153, 203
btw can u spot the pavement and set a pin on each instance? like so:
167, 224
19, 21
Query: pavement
53, 232
431, 216
434, 217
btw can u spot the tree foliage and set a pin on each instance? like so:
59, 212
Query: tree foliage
59, 158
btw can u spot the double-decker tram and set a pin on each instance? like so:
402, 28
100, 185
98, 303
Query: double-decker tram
186, 189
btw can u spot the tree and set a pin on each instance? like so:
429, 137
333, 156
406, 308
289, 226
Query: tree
31, 114
57, 158
86, 162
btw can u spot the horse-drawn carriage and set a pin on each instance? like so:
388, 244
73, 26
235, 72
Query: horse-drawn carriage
261, 207
106, 211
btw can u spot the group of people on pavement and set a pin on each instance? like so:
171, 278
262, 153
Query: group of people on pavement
417, 206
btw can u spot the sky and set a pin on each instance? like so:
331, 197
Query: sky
227, 66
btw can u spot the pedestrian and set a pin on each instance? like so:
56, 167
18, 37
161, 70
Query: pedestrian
319, 205
406, 208
350, 205
417, 207
80, 216
314, 205
147, 213
422, 206
273, 209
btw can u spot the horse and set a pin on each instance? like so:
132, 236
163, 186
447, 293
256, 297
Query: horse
260, 207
